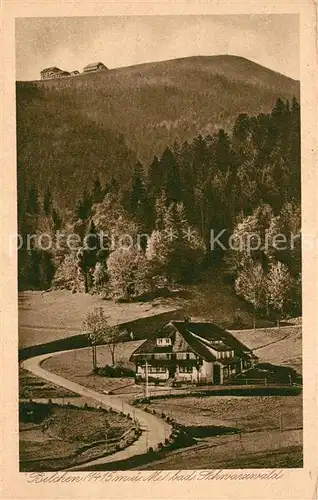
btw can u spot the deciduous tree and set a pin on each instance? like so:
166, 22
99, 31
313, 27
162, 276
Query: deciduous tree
99, 331
279, 286
128, 272
251, 285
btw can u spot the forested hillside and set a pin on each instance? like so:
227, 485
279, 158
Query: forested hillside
243, 183
72, 130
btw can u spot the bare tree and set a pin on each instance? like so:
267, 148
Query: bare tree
99, 331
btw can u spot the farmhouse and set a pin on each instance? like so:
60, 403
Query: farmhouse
53, 72
98, 66
192, 352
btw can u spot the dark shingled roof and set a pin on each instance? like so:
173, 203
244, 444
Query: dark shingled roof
194, 337
212, 333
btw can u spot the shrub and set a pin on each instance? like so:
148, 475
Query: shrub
153, 380
150, 450
115, 371
176, 383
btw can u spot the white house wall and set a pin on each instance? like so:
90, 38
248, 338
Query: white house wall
187, 376
206, 371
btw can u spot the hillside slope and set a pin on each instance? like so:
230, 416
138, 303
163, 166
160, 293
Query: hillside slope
77, 126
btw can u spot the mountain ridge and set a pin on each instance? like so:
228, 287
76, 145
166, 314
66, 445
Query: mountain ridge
181, 59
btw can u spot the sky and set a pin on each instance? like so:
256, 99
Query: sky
72, 42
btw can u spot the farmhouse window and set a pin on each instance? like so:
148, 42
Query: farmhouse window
163, 341
185, 369
157, 369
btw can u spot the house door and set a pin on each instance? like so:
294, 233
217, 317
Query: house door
216, 374
172, 371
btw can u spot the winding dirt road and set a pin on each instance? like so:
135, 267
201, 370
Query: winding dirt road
155, 430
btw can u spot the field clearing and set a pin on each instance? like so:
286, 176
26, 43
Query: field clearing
264, 336
269, 449
33, 387
289, 352
77, 366
249, 414
44, 317
59, 314
281, 345
68, 431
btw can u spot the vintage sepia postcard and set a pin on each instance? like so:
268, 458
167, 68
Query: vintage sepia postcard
159, 277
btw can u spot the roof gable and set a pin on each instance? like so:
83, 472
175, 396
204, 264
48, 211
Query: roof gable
181, 342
